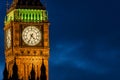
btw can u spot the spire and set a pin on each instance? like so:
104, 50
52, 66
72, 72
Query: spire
43, 71
32, 74
5, 73
15, 71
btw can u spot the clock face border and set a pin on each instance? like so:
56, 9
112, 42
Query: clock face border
31, 35
39, 27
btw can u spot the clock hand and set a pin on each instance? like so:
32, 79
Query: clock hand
32, 36
29, 40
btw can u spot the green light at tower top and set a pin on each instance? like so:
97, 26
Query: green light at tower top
27, 15
26, 11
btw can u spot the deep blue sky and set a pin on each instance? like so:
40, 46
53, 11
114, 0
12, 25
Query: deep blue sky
84, 39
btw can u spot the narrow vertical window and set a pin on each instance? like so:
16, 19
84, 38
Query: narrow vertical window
33, 17
36, 17
29, 17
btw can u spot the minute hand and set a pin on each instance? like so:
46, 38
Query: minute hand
30, 37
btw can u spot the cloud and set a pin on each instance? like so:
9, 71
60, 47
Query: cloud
84, 40
81, 61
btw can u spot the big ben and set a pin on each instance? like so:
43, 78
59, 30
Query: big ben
26, 29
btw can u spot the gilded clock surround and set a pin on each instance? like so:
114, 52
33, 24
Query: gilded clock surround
24, 55
38, 26
31, 35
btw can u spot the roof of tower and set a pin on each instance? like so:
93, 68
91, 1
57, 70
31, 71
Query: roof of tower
27, 4
35, 4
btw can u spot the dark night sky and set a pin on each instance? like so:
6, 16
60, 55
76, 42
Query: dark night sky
84, 39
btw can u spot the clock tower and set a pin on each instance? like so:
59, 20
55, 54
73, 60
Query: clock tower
27, 40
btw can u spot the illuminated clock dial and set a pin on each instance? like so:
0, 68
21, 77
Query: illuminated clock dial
31, 35
8, 38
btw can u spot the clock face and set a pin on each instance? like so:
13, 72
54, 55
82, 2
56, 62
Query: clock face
31, 35
8, 38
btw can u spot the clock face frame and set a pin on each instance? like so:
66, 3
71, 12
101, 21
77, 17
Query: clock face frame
31, 35
8, 38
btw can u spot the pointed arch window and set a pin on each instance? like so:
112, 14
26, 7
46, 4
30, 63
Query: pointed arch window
33, 17
23, 16
29, 16
36, 16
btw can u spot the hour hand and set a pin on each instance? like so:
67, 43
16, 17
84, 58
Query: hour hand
32, 36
